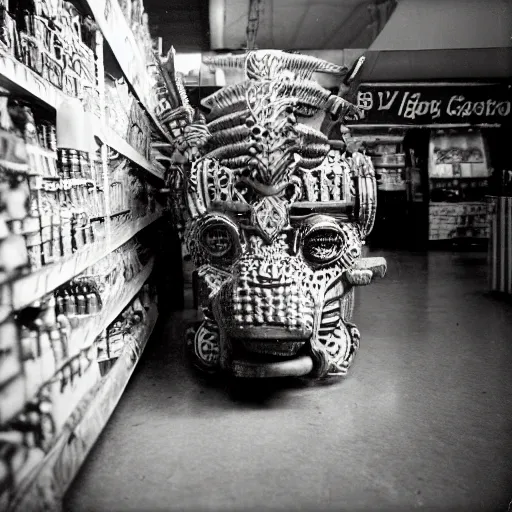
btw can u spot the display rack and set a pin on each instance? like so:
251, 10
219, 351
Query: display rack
458, 183
112, 22
19, 78
386, 150
388, 158
86, 281
27, 289
81, 432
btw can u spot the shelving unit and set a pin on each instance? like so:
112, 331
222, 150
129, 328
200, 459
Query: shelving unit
84, 334
63, 462
386, 151
388, 158
17, 77
114, 141
29, 288
86, 277
109, 17
458, 181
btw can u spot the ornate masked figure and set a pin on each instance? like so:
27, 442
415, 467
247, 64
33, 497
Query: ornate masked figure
276, 219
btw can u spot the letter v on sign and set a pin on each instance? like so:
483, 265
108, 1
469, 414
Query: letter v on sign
386, 99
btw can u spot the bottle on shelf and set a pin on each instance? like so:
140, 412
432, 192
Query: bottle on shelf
81, 303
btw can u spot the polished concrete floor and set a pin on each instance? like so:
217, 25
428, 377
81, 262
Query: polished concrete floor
424, 420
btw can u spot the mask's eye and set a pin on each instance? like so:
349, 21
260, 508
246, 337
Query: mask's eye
323, 246
218, 237
323, 243
217, 240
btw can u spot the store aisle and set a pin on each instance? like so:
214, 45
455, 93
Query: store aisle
423, 421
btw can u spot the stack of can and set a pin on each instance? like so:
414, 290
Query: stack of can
74, 164
47, 133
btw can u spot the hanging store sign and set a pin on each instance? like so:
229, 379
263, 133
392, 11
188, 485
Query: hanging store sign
427, 104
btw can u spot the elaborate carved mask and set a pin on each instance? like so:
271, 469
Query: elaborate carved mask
277, 216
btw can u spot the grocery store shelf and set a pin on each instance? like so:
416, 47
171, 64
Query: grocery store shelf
122, 233
27, 289
112, 139
45, 487
18, 77
85, 334
117, 33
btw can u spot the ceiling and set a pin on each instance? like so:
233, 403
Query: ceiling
202, 25
183, 24
442, 24
443, 40
298, 24
402, 39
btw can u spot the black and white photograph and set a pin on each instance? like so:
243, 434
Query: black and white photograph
255, 255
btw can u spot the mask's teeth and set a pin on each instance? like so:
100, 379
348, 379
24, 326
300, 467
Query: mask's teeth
282, 305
